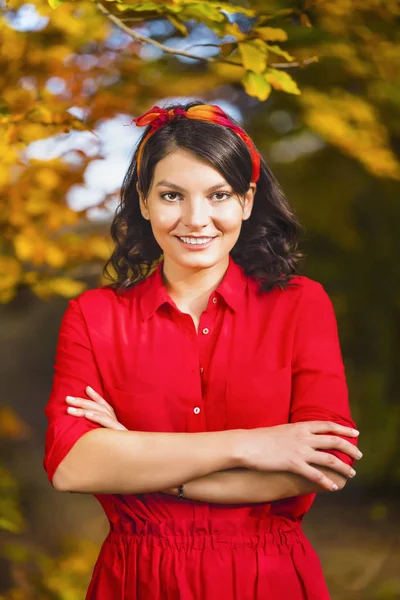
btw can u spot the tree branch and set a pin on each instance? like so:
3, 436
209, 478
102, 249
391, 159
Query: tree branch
144, 39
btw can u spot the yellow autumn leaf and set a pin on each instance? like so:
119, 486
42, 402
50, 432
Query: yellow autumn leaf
12, 134
47, 178
274, 49
281, 80
256, 85
33, 131
5, 179
11, 426
177, 24
100, 247
65, 286
37, 203
10, 272
271, 34
254, 55
24, 246
18, 100
8, 154
55, 257
234, 29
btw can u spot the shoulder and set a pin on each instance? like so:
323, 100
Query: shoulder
306, 286
311, 296
91, 298
96, 303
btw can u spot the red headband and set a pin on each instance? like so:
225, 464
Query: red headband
157, 117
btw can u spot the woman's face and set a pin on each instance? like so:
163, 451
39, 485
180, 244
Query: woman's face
189, 201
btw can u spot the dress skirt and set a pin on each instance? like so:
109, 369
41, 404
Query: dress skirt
208, 559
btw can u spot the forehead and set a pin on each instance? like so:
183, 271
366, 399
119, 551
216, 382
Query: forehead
183, 167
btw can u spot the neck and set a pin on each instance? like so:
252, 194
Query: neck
191, 287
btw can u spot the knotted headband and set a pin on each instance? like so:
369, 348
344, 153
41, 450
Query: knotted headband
157, 117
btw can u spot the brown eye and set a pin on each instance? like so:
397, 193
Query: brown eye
225, 194
163, 196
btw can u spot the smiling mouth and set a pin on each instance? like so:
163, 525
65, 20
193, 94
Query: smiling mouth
196, 241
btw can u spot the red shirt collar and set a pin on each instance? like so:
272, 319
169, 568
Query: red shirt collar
153, 292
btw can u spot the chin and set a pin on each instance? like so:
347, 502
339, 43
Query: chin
196, 259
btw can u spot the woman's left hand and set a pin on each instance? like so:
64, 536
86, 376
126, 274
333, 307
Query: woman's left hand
97, 410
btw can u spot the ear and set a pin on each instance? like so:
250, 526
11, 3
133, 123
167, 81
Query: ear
142, 204
249, 201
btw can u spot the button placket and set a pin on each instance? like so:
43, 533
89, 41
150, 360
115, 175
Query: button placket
205, 329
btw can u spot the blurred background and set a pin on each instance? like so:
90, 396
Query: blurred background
317, 86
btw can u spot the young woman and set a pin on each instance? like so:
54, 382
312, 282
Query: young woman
201, 397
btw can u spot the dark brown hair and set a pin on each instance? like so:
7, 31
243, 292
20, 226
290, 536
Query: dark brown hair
267, 245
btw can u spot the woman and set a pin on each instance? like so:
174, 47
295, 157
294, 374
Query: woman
217, 405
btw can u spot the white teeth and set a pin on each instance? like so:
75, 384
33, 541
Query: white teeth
195, 240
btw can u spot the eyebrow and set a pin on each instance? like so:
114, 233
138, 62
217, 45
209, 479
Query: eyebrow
181, 189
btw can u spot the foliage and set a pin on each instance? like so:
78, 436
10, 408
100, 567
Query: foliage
260, 48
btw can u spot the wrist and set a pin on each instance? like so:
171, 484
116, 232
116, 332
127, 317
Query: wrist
173, 491
239, 448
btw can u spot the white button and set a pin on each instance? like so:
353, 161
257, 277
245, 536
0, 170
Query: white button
205, 330
196, 410
214, 300
201, 369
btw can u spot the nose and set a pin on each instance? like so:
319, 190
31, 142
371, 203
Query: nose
196, 212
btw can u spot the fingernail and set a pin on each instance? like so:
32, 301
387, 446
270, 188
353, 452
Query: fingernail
359, 455
72, 409
352, 473
356, 431
90, 388
70, 398
335, 487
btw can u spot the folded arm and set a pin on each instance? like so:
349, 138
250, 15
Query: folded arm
240, 485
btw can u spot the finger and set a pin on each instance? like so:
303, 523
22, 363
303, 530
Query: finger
330, 426
329, 460
84, 403
333, 442
105, 420
95, 395
316, 476
99, 417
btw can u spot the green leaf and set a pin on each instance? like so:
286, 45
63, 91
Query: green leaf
254, 55
256, 85
279, 52
281, 80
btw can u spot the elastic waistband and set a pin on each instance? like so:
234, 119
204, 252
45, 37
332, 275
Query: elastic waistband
203, 533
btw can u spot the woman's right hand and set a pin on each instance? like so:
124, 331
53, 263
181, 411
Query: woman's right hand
294, 447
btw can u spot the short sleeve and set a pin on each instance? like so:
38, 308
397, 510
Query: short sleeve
75, 368
319, 388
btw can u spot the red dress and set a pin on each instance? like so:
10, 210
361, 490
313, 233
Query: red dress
259, 359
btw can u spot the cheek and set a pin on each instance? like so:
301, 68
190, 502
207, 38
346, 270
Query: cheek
163, 221
228, 219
